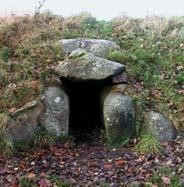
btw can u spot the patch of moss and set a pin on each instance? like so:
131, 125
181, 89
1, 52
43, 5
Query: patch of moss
77, 54
118, 142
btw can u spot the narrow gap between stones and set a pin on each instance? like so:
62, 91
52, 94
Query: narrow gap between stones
85, 110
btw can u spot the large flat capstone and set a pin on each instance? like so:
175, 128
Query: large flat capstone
98, 47
81, 65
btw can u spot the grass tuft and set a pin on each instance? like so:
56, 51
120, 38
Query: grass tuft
42, 138
7, 148
149, 144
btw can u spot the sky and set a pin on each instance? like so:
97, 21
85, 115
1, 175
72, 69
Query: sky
101, 9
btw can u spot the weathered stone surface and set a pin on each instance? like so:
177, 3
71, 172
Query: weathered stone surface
121, 88
120, 78
119, 117
24, 121
98, 47
56, 116
160, 126
81, 65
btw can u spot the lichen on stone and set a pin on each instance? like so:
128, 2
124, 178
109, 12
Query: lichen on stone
77, 54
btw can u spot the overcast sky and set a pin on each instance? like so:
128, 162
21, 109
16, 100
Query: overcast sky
102, 9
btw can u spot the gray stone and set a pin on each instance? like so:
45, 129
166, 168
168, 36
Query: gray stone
118, 117
56, 116
81, 65
119, 88
98, 47
160, 126
120, 78
24, 121
136, 184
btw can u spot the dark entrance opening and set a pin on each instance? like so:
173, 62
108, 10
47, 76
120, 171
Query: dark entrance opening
85, 109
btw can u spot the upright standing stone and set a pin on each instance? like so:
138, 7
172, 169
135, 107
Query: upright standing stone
56, 116
119, 117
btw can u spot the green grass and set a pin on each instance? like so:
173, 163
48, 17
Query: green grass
118, 142
25, 182
54, 179
7, 148
5, 53
169, 173
149, 144
42, 138
151, 49
180, 78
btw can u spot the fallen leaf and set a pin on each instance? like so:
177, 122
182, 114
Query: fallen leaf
30, 176
169, 163
119, 162
42, 174
166, 180
15, 182
11, 110
180, 92
108, 166
44, 183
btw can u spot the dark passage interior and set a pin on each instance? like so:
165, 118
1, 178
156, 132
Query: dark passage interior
85, 113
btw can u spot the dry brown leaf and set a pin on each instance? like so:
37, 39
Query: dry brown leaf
30, 176
166, 180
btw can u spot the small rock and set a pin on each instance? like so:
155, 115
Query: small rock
160, 126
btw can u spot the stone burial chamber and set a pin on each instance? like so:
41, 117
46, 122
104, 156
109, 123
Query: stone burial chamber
87, 98
89, 94
85, 92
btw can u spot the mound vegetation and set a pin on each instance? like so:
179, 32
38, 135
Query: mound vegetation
151, 48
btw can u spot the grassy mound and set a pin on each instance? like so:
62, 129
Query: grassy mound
151, 48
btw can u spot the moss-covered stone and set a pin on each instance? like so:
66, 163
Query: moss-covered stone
86, 66
98, 47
